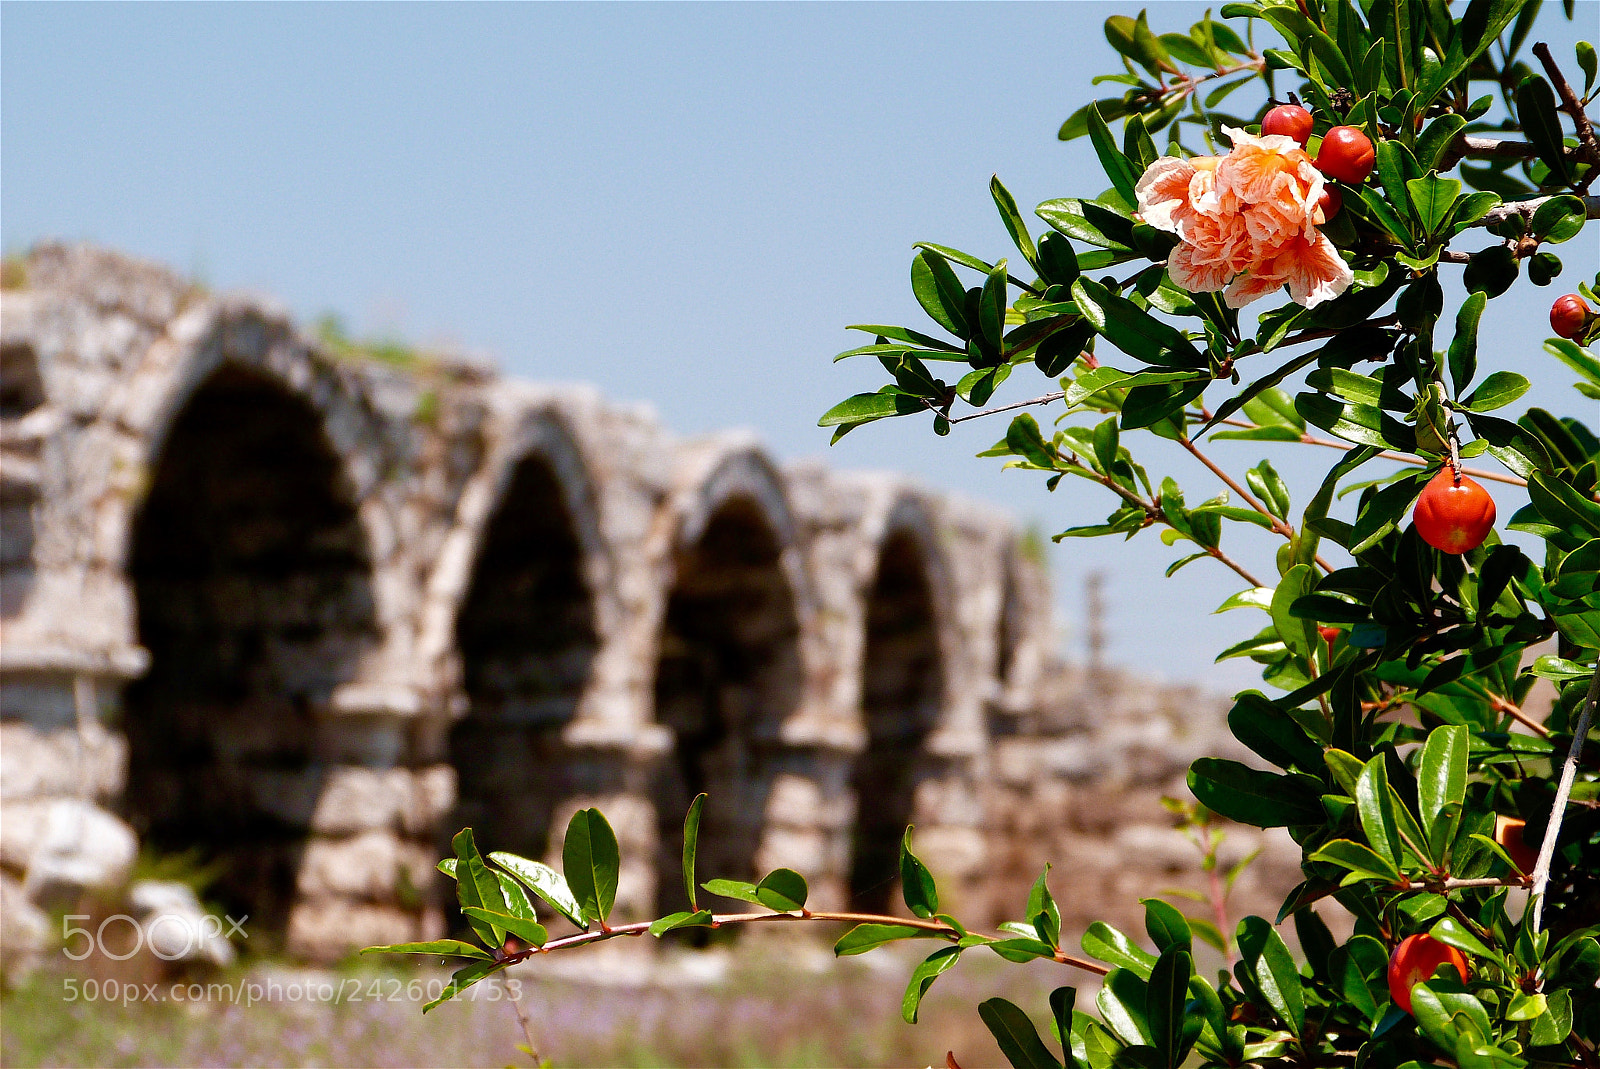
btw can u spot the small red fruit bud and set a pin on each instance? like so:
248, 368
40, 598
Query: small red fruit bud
1508, 832
1570, 316
1415, 960
1330, 202
1330, 635
1290, 120
1454, 514
1346, 154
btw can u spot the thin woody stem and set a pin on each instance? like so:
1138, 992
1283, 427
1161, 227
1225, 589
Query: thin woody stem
1306, 439
1278, 526
1453, 884
1046, 399
1547, 850
638, 928
1571, 105
1503, 705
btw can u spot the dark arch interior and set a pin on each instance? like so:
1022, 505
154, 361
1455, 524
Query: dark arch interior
526, 636
252, 579
728, 677
901, 685
21, 391
1009, 636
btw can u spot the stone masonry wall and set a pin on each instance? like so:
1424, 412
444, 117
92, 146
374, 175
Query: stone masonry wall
305, 614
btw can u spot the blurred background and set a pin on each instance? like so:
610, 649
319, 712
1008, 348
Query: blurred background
685, 205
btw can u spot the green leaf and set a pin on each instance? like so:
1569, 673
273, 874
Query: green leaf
783, 890
1165, 998
939, 292
691, 843
1362, 424
1122, 1000
1132, 329
522, 927
736, 889
1007, 205
866, 407
1442, 771
589, 856
1432, 198
1541, 124
1043, 913
916, 882
1491, 271
1376, 807
1498, 390
1299, 635
1117, 167
448, 947
1358, 858
1463, 356
543, 881
1274, 971
1016, 1036
865, 937
1105, 943
1558, 219
477, 886
1167, 927
1089, 221
1451, 932
923, 977
462, 979
699, 918
1252, 797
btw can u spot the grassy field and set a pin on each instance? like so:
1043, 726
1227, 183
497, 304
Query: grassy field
768, 1007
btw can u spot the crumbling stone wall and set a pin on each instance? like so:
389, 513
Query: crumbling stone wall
306, 614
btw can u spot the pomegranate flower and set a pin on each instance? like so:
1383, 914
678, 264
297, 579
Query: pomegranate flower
1247, 222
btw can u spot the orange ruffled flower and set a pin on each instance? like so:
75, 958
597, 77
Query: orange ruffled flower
1247, 222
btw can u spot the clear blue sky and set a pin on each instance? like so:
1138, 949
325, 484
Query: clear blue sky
684, 204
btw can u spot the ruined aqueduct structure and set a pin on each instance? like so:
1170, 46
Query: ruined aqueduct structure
310, 613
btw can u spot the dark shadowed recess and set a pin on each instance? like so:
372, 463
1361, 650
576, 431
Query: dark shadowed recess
21, 393
728, 677
252, 578
902, 682
526, 636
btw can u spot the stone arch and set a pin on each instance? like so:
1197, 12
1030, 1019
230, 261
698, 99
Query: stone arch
251, 573
729, 671
904, 685
525, 631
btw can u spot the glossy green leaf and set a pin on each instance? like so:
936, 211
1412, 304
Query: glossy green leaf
1498, 390
477, 886
1165, 998
1133, 330
691, 844
1558, 219
916, 882
1272, 966
865, 937
699, 918
447, 947
462, 979
1107, 944
939, 292
523, 928
783, 890
1432, 198
1253, 797
590, 859
1442, 770
1007, 206
1359, 859
1463, 354
922, 978
1015, 1035
1541, 123
543, 881
1376, 808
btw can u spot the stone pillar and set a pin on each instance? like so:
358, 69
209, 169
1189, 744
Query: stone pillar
372, 804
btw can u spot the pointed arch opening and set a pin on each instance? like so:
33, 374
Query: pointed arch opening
902, 684
252, 579
526, 636
727, 679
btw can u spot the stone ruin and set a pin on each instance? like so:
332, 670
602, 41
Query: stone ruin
299, 614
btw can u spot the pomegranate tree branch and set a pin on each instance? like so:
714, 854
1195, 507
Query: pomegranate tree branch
1547, 850
1306, 439
1044, 400
1571, 105
1501, 704
1278, 526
